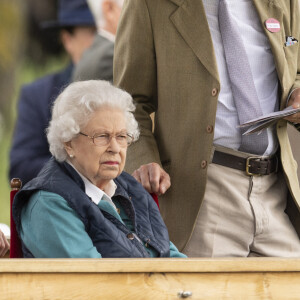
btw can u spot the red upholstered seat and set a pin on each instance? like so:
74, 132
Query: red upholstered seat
15, 242
155, 198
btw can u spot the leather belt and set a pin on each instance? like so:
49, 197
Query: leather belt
252, 165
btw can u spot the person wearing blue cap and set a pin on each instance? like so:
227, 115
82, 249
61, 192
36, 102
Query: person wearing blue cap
30, 148
97, 61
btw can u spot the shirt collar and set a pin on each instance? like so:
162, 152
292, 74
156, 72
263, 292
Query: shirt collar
93, 191
107, 35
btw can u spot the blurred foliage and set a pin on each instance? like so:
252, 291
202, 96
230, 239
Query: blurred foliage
28, 71
16, 31
11, 39
10, 32
4, 191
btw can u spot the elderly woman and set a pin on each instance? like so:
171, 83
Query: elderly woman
82, 204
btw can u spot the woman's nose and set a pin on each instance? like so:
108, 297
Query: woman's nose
113, 145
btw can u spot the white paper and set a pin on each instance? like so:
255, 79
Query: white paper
260, 123
5, 229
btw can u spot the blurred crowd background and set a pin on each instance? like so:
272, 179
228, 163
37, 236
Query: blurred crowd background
26, 53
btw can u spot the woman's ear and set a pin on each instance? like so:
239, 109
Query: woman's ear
69, 149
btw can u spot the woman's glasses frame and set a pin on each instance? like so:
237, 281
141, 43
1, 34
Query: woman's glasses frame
103, 139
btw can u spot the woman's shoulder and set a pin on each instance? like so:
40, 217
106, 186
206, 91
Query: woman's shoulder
43, 204
41, 194
44, 199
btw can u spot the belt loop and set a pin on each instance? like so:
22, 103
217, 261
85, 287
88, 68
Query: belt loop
212, 154
277, 163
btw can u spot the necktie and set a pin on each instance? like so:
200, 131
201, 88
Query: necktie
242, 85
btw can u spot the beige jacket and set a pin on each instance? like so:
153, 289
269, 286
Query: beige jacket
164, 58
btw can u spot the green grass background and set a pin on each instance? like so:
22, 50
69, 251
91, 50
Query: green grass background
27, 72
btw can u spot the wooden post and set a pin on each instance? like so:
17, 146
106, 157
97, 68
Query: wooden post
15, 184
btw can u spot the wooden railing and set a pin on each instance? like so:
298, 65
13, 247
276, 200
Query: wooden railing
246, 278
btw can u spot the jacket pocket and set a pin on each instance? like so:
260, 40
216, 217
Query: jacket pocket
291, 56
291, 52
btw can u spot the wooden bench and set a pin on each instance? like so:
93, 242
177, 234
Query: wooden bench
235, 278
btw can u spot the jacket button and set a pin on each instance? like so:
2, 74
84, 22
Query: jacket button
130, 236
214, 92
209, 129
203, 164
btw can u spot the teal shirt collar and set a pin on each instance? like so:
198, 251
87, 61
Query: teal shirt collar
106, 206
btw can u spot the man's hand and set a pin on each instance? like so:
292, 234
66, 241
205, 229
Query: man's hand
295, 101
4, 245
153, 178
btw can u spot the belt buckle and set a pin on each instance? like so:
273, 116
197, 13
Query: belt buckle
248, 166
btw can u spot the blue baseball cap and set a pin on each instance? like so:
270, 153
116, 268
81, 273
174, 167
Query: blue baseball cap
71, 13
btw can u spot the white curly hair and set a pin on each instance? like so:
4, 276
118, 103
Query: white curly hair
72, 109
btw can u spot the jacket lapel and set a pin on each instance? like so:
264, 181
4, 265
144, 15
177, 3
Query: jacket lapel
190, 21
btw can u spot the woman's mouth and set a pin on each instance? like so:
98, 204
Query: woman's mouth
111, 163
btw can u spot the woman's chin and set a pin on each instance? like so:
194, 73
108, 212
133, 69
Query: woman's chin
110, 172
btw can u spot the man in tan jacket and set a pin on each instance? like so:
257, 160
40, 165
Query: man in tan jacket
170, 55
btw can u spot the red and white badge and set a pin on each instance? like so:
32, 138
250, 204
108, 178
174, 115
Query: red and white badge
272, 25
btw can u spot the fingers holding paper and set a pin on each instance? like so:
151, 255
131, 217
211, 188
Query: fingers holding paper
295, 102
4, 245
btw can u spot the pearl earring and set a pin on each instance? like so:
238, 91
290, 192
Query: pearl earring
71, 155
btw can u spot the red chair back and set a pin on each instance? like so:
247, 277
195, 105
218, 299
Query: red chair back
15, 242
155, 198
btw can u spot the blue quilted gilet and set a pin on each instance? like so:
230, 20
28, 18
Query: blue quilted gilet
109, 235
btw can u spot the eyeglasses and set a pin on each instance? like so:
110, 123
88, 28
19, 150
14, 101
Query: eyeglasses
103, 139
